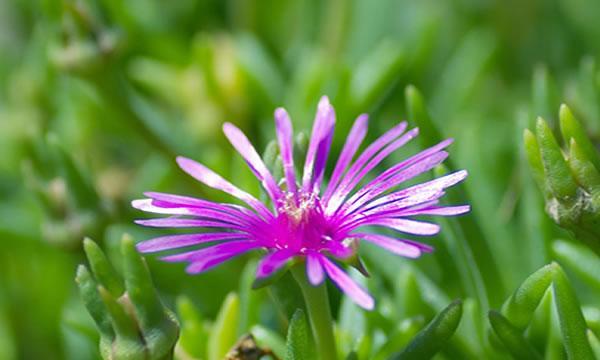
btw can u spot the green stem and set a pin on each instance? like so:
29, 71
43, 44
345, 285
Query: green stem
317, 306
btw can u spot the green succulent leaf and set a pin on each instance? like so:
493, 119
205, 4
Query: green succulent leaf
511, 337
435, 335
571, 319
299, 340
558, 175
223, 334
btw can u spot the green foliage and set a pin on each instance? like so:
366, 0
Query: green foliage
132, 322
430, 340
299, 341
98, 96
518, 312
570, 184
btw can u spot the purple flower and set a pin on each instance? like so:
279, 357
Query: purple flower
307, 223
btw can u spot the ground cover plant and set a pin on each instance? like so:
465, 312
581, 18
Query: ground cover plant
352, 236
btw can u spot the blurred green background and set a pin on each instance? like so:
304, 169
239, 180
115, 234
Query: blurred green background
98, 97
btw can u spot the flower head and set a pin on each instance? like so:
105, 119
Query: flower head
306, 223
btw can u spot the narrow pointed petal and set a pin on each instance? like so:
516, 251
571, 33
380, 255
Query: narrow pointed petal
439, 211
407, 226
170, 242
272, 262
391, 209
438, 184
407, 169
376, 188
349, 183
215, 251
210, 178
314, 269
243, 146
285, 133
347, 285
320, 141
395, 246
150, 205
374, 148
230, 211
355, 138
185, 223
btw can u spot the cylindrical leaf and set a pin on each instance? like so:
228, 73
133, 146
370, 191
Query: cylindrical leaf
431, 339
572, 129
103, 270
571, 319
511, 337
224, 332
558, 175
299, 343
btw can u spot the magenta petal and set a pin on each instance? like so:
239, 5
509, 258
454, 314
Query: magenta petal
338, 249
214, 251
439, 211
407, 226
347, 285
178, 222
243, 146
318, 147
355, 138
395, 246
377, 187
208, 262
157, 207
440, 183
435, 185
177, 241
314, 270
349, 183
273, 262
210, 178
186, 201
285, 133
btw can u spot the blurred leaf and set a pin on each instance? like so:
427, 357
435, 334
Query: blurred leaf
434, 336
269, 339
192, 341
299, 344
511, 337
375, 74
572, 324
223, 334
581, 260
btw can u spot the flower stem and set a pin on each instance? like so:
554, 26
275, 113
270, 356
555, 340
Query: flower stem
317, 306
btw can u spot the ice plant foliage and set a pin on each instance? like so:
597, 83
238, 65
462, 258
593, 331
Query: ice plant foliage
308, 223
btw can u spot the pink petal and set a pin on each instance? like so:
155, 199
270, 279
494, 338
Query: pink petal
243, 146
198, 207
406, 226
440, 211
396, 246
154, 206
377, 187
215, 251
210, 178
348, 184
314, 270
318, 148
177, 241
393, 209
273, 262
347, 285
355, 138
283, 128
178, 222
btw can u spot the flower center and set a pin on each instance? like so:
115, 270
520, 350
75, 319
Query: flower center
301, 223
